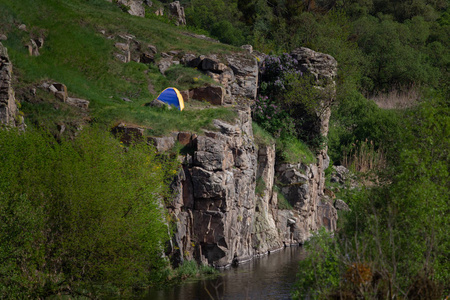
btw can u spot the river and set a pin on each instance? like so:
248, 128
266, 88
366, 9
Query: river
270, 277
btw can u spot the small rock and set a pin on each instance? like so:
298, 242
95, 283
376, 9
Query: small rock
122, 46
249, 48
58, 89
158, 103
121, 57
152, 49
23, 27
126, 99
61, 128
3, 37
147, 58
159, 12
81, 103
165, 64
341, 205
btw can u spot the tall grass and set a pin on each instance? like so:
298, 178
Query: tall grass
364, 157
397, 98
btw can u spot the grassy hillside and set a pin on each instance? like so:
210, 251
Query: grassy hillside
77, 54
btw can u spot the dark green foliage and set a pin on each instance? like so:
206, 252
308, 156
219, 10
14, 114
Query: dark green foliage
77, 215
272, 117
396, 233
357, 119
319, 272
227, 33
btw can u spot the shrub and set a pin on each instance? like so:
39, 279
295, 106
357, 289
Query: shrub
272, 118
319, 272
79, 214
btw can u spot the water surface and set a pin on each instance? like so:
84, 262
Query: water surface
270, 277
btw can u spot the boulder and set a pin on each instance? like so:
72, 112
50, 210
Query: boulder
162, 144
212, 94
249, 48
134, 7
340, 174
159, 11
127, 133
213, 65
341, 205
158, 103
33, 48
147, 58
184, 138
58, 89
322, 66
152, 49
165, 64
177, 12
81, 103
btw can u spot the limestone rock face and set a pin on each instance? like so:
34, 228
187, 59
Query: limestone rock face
177, 12
8, 107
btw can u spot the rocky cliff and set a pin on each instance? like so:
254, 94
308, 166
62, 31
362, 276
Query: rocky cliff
9, 112
219, 217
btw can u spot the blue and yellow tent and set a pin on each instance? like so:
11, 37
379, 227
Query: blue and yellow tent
173, 97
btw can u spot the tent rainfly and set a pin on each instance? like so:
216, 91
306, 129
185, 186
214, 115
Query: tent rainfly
172, 96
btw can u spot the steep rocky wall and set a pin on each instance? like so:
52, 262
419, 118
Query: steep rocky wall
226, 209
214, 206
9, 113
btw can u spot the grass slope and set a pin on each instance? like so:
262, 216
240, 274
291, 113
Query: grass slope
78, 55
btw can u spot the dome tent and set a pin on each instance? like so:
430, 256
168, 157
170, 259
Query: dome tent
172, 96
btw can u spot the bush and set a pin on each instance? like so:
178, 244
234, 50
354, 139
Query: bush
77, 215
319, 271
272, 118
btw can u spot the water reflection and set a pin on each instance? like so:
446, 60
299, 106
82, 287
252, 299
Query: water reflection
270, 277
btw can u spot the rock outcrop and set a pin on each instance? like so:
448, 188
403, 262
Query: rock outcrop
215, 196
227, 208
177, 13
237, 73
134, 7
9, 112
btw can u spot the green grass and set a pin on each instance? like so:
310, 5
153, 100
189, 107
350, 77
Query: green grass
191, 269
262, 137
292, 150
283, 203
78, 55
